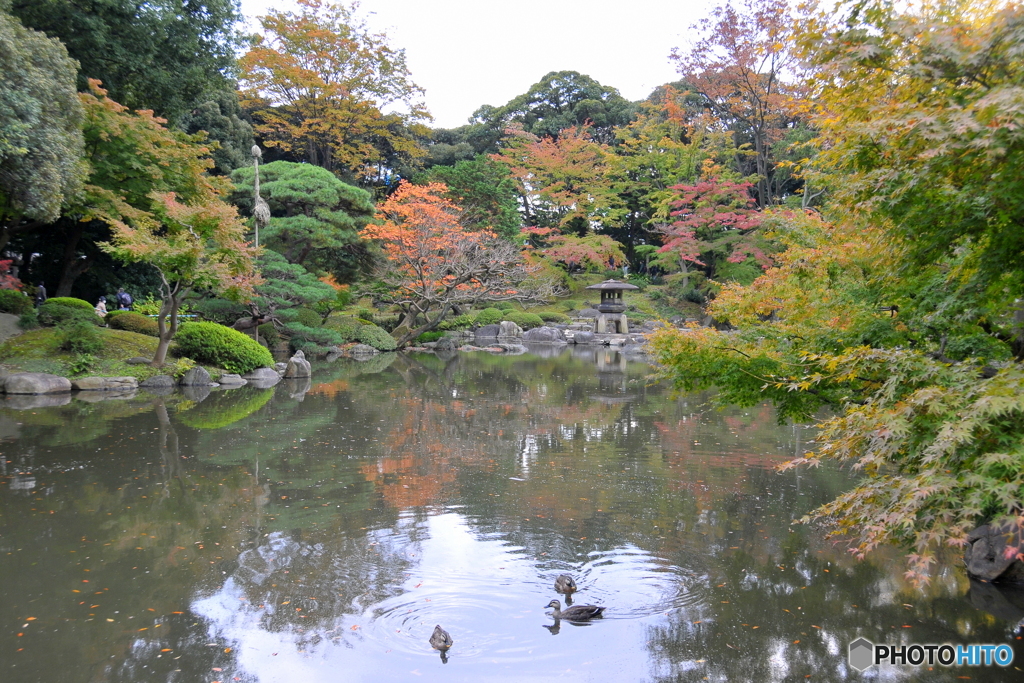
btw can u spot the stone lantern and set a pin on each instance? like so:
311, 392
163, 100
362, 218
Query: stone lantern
611, 318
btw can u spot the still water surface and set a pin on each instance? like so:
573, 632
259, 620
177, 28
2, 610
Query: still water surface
317, 531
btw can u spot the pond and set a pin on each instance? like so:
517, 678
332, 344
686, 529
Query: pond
319, 530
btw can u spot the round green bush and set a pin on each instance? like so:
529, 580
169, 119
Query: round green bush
307, 317
79, 337
377, 337
52, 314
459, 322
488, 316
429, 337
554, 317
133, 322
14, 301
344, 325
505, 305
525, 320
222, 346
69, 301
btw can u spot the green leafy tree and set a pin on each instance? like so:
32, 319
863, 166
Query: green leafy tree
315, 218
40, 129
486, 192
222, 118
164, 55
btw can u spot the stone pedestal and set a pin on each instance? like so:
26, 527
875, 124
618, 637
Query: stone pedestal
612, 323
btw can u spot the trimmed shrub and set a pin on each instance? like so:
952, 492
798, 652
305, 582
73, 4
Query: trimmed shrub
130, 321
429, 337
79, 337
313, 339
222, 346
488, 316
377, 337
14, 301
505, 305
523, 319
554, 317
346, 326
388, 322
69, 301
307, 317
28, 320
459, 322
58, 314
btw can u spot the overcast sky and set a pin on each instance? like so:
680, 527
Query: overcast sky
466, 53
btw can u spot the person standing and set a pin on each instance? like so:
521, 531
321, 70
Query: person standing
124, 299
40, 294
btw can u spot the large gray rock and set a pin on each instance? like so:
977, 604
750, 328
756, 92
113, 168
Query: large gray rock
262, 374
445, 345
507, 328
584, 338
36, 383
545, 334
991, 553
196, 377
158, 382
589, 313
363, 350
488, 331
298, 367
105, 383
139, 360
228, 380
511, 349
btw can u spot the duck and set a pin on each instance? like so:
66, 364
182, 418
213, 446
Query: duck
576, 612
565, 584
441, 639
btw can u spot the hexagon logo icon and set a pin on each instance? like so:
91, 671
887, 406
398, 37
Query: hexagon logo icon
861, 651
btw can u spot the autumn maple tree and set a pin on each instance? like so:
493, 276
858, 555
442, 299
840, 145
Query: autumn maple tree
431, 263
322, 86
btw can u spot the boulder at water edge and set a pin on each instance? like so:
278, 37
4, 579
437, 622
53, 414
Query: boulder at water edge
105, 383
196, 377
36, 383
445, 345
584, 338
297, 367
546, 335
488, 331
158, 382
507, 328
992, 551
231, 380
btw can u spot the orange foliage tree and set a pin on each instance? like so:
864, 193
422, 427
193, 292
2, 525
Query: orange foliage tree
319, 85
433, 265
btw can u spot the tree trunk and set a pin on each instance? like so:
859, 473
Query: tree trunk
72, 265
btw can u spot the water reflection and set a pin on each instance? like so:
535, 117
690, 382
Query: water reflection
302, 532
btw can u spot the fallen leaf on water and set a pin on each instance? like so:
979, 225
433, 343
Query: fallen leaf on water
355, 626
167, 649
31, 618
227, 649
109, 619
217, 668
795, 642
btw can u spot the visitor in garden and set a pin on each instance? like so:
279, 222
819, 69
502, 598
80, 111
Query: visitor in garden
101, 307
40, 294
124, 299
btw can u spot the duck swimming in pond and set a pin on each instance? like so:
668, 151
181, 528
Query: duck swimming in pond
576, 612
564, 584
441, 639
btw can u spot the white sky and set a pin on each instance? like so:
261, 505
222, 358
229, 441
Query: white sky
467, 53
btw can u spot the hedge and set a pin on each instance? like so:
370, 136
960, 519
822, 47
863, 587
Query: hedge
377, 337
346, 326
488, 316
14, 301
554, 317
133, 322
523, 319
222, 346
52, 314
71, 302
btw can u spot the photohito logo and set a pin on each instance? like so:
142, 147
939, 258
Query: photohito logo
864, 653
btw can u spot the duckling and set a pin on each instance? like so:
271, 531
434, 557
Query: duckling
576, 612
565, 584
441, 639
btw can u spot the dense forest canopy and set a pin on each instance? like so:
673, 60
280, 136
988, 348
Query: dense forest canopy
836, 188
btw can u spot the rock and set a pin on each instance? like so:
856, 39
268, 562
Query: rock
281, 367
105, 383
297, 367
507, 328
991, 553
513, 349
363, 350
261, 374
445, 344
584, 338
230, 380
139, 360
589, 313
196, 377
36, 383
488, 331
633, 350
549, 335
158, 382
